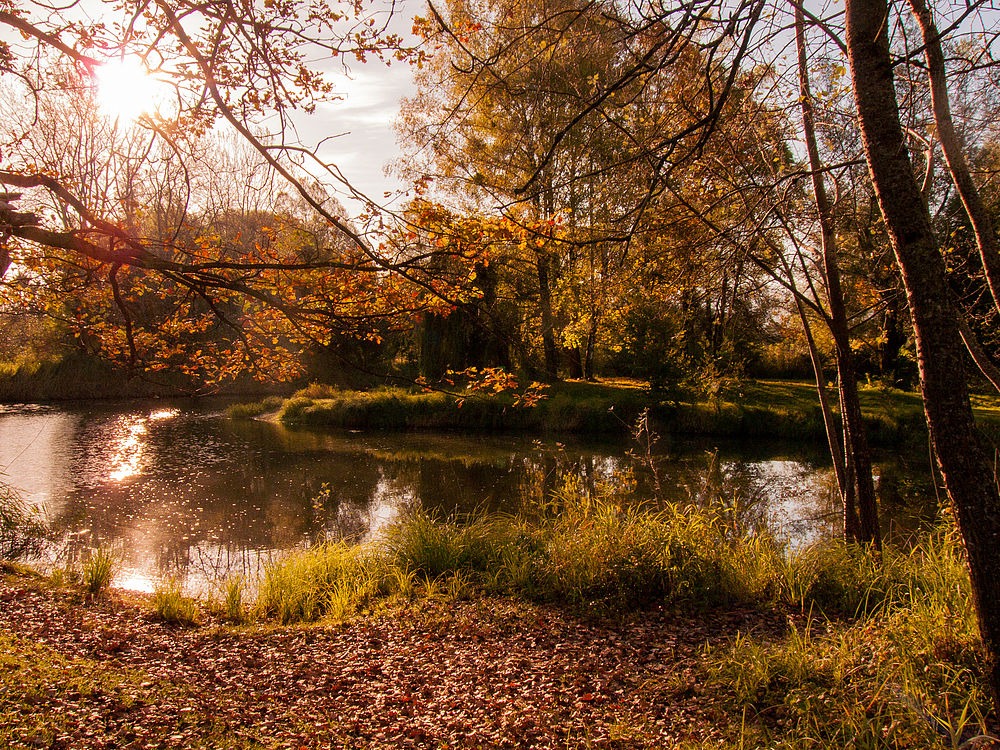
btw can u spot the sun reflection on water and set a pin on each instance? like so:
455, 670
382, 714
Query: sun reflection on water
128, 443
159, 414
126, 449
136, 580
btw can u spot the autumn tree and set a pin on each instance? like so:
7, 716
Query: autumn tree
103, 217
563, 108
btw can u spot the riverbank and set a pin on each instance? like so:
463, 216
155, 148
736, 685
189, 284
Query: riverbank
752, 409
487, 673
76, 377
484, 672
460, 636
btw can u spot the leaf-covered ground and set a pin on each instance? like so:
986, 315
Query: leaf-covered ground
482, 674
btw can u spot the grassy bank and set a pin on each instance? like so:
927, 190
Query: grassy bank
601, 556
879, 653
778, 409
697, 621
81, 377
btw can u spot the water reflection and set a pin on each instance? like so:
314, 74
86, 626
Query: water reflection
186, 492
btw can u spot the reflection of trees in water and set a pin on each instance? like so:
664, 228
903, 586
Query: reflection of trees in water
908, 498
251, 489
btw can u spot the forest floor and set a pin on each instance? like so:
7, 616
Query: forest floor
487, 673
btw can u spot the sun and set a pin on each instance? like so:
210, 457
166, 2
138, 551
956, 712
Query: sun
126, 90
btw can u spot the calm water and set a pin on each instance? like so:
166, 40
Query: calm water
184, 491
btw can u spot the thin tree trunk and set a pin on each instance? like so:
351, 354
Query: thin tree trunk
548, 322
979, 215
588, 359
855, 438
979, 356
851, 522
967, 472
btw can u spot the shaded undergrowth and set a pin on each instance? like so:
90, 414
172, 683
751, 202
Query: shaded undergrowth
908, 671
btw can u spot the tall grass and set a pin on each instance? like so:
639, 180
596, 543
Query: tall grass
252, 409
327, 580
21, 528
601, 553
171, 606
397, 408
908, 672
886, 652
99, 570
233, 589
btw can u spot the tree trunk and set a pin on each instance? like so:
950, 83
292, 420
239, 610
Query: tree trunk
979, 215
588, 359
574, 361
851, 522
855, 438
548, 322
967, 472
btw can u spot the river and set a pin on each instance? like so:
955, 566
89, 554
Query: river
181, 490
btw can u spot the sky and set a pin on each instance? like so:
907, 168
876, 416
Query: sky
362, 122
357, 132
363, 138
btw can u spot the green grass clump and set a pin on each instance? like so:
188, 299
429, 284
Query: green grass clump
433, 547
233, 589
597, 553
254, 408
906, 673
99, 570
171, 606
64, 576
324, 581
600, 551
397, 408
21, 529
